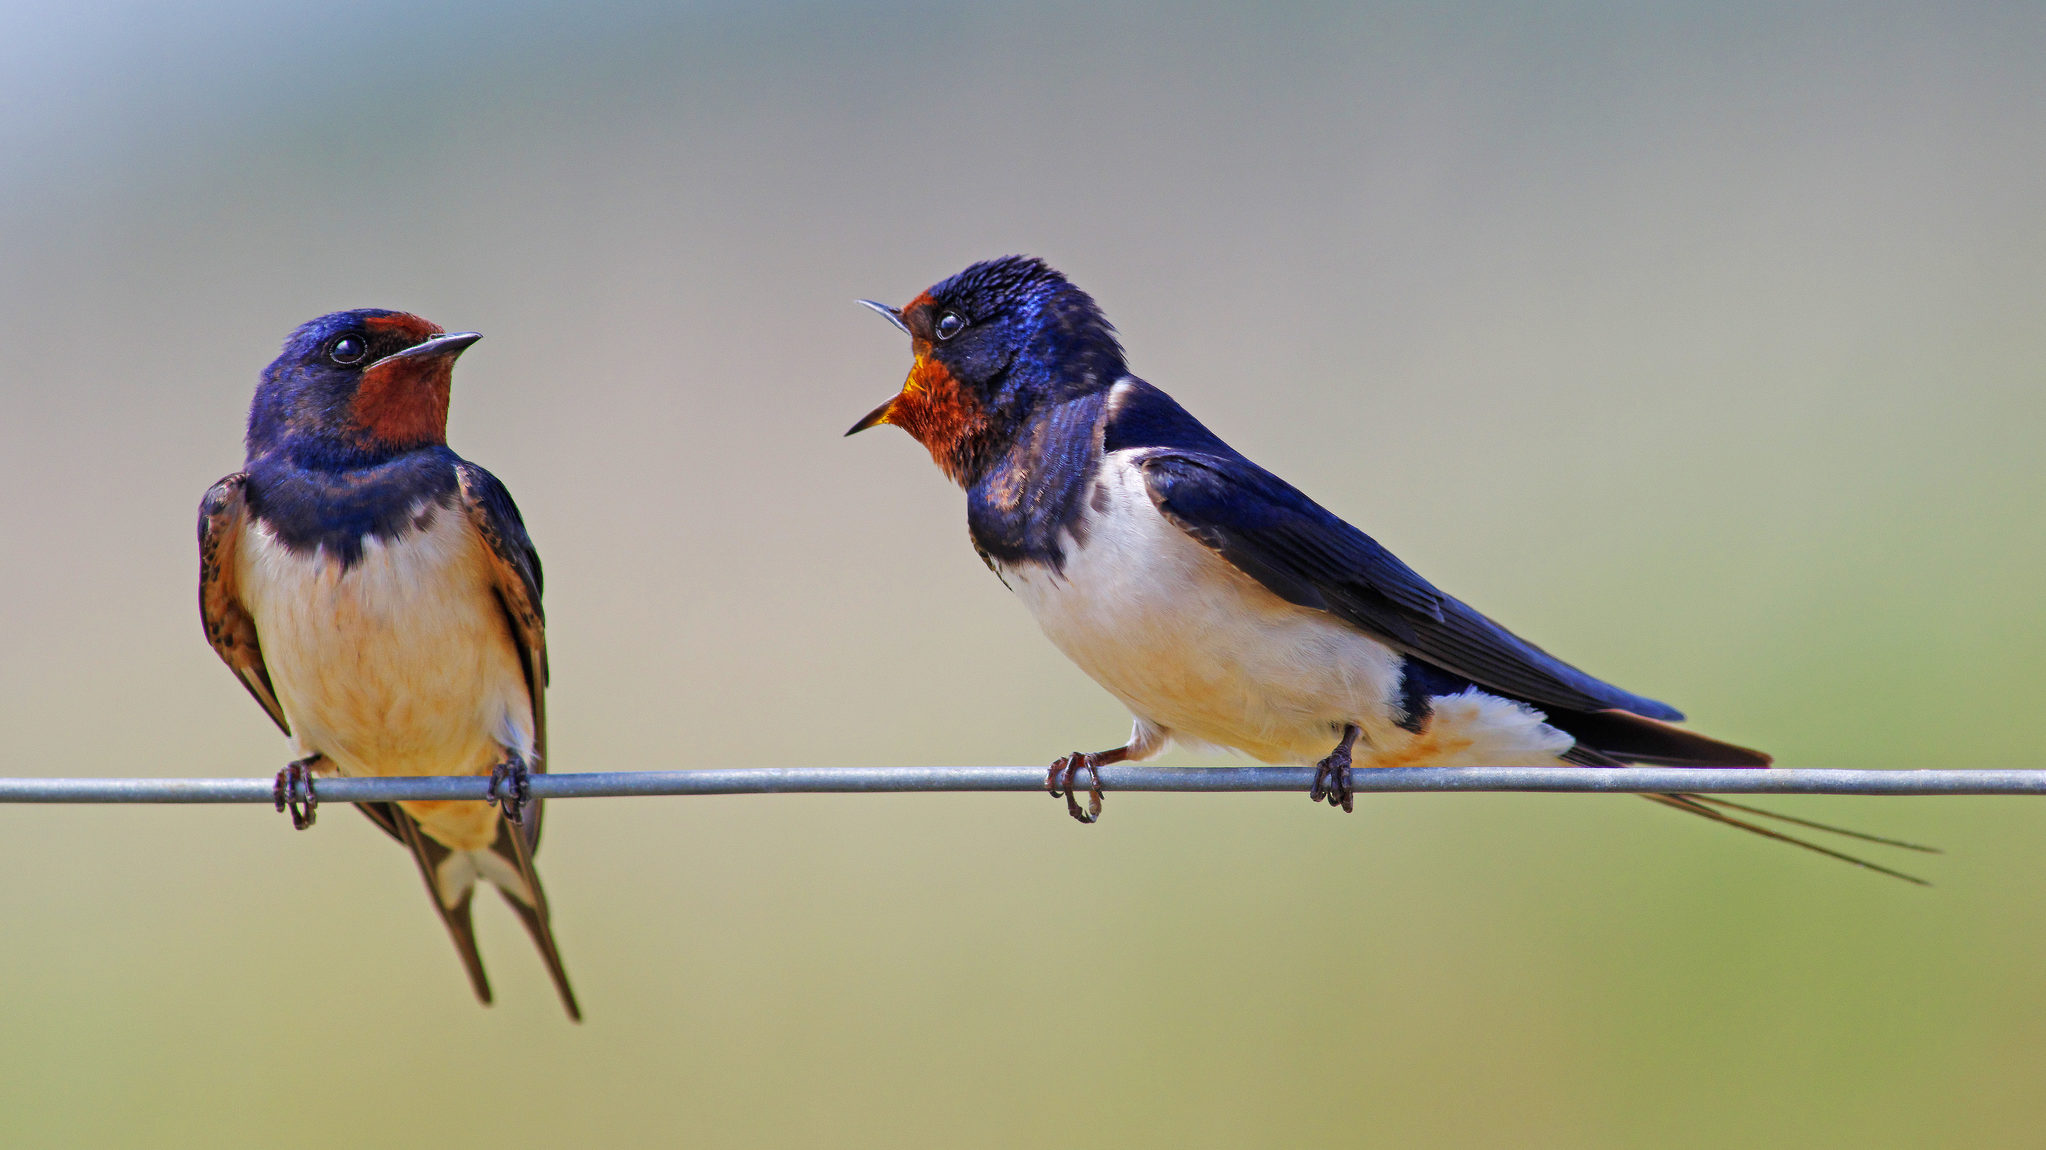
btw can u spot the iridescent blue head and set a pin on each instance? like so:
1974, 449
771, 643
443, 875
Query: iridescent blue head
355, 388
995, 345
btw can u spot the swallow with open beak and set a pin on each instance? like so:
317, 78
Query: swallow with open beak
1217, 602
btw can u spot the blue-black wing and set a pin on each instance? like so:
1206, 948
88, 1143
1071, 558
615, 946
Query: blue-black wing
1301, 552
1306, 555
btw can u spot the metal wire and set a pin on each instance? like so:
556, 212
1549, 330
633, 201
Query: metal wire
882, 780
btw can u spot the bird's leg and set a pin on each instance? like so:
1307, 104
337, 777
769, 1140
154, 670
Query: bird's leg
510, 786
1332, 774
294, 791
1063, 778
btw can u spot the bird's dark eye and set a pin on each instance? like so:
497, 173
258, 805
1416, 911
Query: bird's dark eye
348, 349
949, 325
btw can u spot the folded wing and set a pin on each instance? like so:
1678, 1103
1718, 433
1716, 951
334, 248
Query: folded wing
223, 515
1306, 555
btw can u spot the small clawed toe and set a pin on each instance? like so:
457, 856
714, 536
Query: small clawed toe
511, 788
293, 792
1332, 782
1332, 775
1063, 782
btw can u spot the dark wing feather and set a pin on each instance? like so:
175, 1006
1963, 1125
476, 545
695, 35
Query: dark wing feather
518, 584
1629, 738
538, 921
389, 818
223, 514
512, 846
518, 580
392, 820
429, 855
1306, 555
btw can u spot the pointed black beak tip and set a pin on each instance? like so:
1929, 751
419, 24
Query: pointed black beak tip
873, 418
455, 343
892, 315
448, 346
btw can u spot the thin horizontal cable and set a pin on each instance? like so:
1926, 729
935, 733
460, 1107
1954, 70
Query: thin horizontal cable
883, 780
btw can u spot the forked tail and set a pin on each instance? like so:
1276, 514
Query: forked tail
451, 878
1616, 739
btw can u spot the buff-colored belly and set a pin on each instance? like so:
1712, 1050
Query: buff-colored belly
399, 665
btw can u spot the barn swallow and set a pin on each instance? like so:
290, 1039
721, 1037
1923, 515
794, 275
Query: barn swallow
379, 596
1217, 602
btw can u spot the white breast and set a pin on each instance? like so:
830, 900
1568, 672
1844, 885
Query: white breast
401, 664
1203, 653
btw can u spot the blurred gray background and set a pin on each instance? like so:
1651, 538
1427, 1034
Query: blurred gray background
1700, 343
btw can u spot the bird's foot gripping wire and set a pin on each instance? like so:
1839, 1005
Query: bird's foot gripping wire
511, 788
294, 792
1064, 777
1332, 774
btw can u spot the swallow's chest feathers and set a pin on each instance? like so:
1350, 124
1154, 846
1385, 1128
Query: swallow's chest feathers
397, 663
1195, 647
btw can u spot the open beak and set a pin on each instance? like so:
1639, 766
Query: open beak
879, 415
446, 346
875, 417
891, 314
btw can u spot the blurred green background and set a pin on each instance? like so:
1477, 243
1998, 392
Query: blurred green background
1701, 343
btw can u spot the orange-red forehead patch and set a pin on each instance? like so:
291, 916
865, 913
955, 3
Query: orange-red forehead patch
410, 327
922, 304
